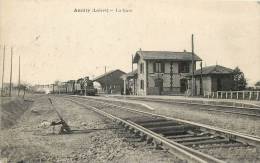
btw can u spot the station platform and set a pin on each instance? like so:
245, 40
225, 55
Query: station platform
198, 100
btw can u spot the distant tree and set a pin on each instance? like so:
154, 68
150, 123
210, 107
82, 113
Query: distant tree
257, 83
250, 88
57, 85
240, 82
72, 82
57, 82
24, 87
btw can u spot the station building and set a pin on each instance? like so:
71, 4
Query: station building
163, 72
211, 79
111, 82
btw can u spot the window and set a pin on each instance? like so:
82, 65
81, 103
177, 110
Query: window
142, 84
184, 67
158, 67
141, 68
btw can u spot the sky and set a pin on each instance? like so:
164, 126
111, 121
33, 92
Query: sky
56, 43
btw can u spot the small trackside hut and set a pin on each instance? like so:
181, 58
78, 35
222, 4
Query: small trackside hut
211, 79
163, 72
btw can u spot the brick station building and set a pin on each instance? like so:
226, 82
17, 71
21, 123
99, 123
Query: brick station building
163, 72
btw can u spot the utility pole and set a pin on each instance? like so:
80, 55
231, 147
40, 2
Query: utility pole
106, 79
192, 78
19, 77
132, 62
11, 73
201, 84
3, 72
133, 74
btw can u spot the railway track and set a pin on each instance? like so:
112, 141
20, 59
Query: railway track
183, 138
244, 111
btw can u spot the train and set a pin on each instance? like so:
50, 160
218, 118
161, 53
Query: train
82, 86
85, 87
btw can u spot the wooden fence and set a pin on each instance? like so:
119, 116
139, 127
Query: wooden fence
241, 95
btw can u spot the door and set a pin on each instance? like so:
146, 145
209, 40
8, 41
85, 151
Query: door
159, 84
184, 85
219, 85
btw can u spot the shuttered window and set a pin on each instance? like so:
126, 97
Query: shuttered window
158, 67
162, 67
184, 67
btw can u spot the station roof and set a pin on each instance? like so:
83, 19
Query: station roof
115, 74
165, 55
215, 69
130, 74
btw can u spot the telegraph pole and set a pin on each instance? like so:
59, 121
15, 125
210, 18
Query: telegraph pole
11, 73
201, 85
192, 78
132, 62
133, 74
106, 79
19, 77
3, 72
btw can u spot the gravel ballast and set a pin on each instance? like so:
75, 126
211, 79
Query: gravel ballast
95, 139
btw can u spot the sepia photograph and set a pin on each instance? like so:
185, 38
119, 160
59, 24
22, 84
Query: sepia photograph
127, 81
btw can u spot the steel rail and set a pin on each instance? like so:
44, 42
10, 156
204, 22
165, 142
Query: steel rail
233, 135
223, 108
207, 105
175, 148
241, 137
191, 102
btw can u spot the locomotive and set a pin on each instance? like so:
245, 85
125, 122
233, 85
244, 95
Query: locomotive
85, 86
